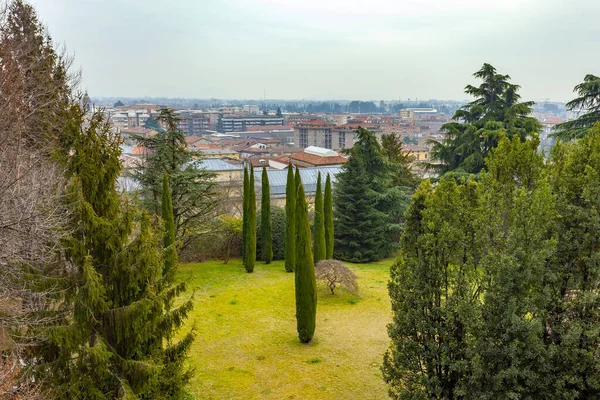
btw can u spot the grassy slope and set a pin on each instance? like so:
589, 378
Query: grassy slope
247, 346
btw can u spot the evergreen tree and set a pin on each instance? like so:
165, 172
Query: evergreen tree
588, 103
305, 281
400, 161
245, 214
250, 243
279, 113
361, 224
120, 341
477, 127
119, 103
193, 187
169, 243
290, 211
319, 247
266, 250
151, 123
328, 213
573, 319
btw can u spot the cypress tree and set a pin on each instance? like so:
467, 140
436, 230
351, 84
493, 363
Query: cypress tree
328, 213
266, 251
119, 341
305, 281
245, 196
290, 211
250, 254
169, 238
319, 246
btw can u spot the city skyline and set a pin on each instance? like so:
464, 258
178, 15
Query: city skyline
323, 50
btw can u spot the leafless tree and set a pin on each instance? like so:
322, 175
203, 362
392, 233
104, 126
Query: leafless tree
35, 94
334, 274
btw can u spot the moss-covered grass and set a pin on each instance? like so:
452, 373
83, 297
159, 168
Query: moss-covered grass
247, 346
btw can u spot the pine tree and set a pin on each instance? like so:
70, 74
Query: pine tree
588, 102
328, 213
250, 245
290, 211
319, 246
305, 281
193, 187
361, 223
266, 251
119, 343
476, 128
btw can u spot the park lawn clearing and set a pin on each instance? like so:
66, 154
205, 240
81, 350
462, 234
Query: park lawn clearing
247, 346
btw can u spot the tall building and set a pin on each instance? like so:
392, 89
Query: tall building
314, 133
193, 122
236, 123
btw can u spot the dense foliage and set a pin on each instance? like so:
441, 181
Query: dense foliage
266, 236
366, 203
120, 340
494, 292
328, 215
290, 211
305, 281
319, 246
250, 223
278, 232
477, 127
192, 186
588, 104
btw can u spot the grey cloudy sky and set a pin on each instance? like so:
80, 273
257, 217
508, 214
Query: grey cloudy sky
325, 49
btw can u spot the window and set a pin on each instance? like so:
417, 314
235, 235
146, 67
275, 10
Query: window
328, 139
303, 138
342, 140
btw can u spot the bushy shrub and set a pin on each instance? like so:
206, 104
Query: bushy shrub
221, 241
334, 274
278, 228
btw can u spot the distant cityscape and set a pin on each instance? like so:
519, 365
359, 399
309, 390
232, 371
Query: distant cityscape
309, 134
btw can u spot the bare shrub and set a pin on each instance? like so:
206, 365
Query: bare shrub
334, 274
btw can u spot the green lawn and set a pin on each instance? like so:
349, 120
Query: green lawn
247, 346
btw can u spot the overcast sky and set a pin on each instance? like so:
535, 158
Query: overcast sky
325, 49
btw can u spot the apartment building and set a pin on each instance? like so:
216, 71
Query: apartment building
241, 123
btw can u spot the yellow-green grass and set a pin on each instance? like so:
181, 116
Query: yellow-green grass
247, 345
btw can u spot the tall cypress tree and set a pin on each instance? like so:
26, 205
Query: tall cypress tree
169, 238
250, 254
328, 213
290, 211
266, 251
319, 246
119, 342
305, 281
245, 197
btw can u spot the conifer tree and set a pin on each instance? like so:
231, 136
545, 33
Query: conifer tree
328, 213
477, 127
290, 211
120, 342
193, 186
250, 245
266, 251
245, 197
305, 281
319, 246
169, 238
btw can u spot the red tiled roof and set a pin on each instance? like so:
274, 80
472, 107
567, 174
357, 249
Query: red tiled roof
192, 139
317, 160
